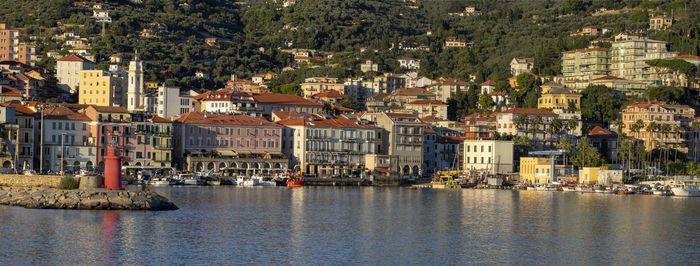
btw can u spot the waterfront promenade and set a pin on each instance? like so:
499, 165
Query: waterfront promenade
366, 225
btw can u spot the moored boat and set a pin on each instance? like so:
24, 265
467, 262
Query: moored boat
684, 189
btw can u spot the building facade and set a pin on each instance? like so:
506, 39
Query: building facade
68, 71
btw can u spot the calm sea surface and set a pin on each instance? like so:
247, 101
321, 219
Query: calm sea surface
388, 226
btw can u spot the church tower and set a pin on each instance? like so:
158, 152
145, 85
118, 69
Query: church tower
135, 87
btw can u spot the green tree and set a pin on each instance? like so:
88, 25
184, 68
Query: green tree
486, 104
600, 104
586, 155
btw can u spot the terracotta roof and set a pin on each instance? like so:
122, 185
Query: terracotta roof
343, 109
592, 49
427, 102
609, 78
293, 121
63, 113
412, 92
328, 94
158, 119
497, 93
687, 57
73, 58
431, 119
529, 111
400, 115
275, 98
109, 109
522, 60
282, 115
599, 131
488, 83
221, 119
9, 91
20, 108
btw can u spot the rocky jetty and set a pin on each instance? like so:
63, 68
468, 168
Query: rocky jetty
97, 199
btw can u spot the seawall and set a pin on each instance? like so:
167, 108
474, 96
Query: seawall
98, 199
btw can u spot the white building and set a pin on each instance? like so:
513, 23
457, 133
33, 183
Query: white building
70, 130
329, 147
409, 63
171, 102
68, 71
521, 65
369, 66
488, 156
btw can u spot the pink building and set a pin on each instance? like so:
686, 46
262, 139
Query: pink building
231, 144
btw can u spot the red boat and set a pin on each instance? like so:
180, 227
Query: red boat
295, 181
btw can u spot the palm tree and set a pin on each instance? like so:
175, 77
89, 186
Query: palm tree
695, 125
555, 128
651, 128
635, 128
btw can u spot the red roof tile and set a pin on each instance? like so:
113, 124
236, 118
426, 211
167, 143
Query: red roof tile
276, 98
20, 108
73, 58
428, 102
530, 111
328, 94
222, 119
488, 83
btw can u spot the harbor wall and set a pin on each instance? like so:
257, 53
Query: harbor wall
100, 199
30, 180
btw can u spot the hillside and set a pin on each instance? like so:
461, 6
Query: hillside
251, 34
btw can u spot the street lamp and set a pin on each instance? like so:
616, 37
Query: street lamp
41, 108
63, 154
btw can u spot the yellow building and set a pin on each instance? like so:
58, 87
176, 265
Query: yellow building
559, 98
152, 85
100, 88
672, 125
536, 170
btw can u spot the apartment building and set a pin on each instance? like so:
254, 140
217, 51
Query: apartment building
662, 124
487, 156
68, 69
403, 137
98, 87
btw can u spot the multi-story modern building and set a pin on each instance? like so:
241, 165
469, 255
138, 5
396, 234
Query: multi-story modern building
583, 65
440, 152
231, 144
659, 124
169, 101
629, 54
527, 122
98, 87
488, 156
446, 88
11, 49
403, 137
68, 70
329, 147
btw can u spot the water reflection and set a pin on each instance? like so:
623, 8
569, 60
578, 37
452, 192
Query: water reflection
362, 226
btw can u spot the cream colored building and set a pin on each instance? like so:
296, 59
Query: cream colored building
403, 138
100, 88
660, 23
599, 176
585, 64
488, 156
426, 108
629, 54
68, 70
315, 85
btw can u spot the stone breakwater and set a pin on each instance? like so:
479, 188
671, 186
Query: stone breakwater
51, 198
30, 180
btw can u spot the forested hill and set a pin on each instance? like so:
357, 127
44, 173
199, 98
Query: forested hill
252, 32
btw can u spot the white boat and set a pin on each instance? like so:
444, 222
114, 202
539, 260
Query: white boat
246, 182
187, 179
29, 172
214, 183
159, 182
686, 190
568, 189
659, 192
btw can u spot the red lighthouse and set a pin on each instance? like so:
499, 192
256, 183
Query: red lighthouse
112, 171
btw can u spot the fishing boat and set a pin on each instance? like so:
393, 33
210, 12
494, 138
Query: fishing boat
686, 189
246, 182
295, 178
445, 180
